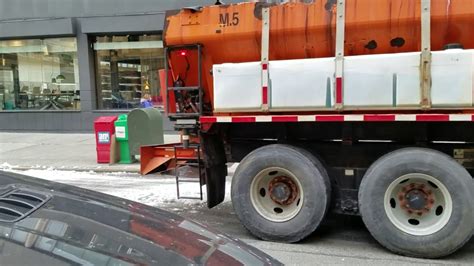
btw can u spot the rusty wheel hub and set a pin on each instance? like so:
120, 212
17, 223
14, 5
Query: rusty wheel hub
416, 198
283, 190
276, 194
418, 204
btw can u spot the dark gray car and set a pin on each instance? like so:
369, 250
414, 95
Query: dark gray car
46, 223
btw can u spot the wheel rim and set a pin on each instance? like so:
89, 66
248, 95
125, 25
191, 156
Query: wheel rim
418, 204
276, 194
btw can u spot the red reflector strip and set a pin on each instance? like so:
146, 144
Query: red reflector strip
379, 118
431, 118
339, 90
264, 95
244, 119
208, 120
329, 118
264, 66
340, 118
285, 118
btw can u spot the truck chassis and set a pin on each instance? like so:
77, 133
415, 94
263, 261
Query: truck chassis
407, 171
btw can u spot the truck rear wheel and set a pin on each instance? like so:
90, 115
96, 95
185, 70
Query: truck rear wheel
418, 202
280, 193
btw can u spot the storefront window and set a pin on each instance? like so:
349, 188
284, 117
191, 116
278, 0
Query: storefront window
39, 74
127, 70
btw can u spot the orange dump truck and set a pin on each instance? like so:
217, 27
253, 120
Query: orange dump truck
359, 107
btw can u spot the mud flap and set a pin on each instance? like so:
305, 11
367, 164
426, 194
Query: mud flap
215, 167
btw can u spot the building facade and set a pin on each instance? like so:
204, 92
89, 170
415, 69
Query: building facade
65, 62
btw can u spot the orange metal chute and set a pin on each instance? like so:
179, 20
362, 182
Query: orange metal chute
162, 157
231, 33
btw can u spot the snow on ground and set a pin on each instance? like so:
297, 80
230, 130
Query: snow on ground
153, 190
6, 166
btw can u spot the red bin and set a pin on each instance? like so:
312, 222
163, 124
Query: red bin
104, 129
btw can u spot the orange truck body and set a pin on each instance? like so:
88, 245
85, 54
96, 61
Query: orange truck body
232, 33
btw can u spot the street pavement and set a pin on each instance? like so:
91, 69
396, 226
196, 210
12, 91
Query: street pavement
70, 158
59, 151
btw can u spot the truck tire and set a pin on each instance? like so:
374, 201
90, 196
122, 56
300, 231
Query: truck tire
418, 202
280, 193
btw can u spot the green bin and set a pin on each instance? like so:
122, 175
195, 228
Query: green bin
145, 128
121, 135
9, 105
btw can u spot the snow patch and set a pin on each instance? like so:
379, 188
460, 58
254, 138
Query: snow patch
6, 166
156, 190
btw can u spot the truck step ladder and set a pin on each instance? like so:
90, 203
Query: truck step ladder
187, 162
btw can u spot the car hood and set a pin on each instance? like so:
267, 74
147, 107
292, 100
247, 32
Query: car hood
75, 226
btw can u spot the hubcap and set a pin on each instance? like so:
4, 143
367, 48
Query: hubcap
418, 204
276, 194
417, 197
283, 190
415, 200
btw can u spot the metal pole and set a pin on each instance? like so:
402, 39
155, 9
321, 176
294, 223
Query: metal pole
265, 57
425, 62
340, 35
200, 91
199, 170
176, 169
166, 81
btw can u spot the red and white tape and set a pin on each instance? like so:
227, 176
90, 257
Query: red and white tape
265, 85
339, 118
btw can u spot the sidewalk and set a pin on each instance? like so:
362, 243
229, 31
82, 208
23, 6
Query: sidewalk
62, 151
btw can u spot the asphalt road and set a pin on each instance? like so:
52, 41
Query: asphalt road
340, 240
